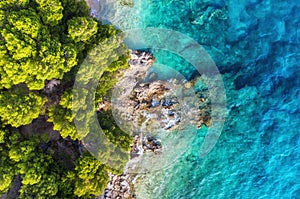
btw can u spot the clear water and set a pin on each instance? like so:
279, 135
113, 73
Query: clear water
256, 46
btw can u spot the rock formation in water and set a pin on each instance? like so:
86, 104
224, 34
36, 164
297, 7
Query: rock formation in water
145, 106
148, 106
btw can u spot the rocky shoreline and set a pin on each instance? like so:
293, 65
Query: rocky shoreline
148, 106
144, 104
122, 186
119, 187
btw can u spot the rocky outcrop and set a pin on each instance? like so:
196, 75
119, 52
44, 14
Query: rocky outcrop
119, 187
144, 144
122, 186
143, 107
148, 106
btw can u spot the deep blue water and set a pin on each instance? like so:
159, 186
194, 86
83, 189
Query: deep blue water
255, 45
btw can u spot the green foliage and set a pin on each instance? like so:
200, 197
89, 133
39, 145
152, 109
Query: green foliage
18, 47
47, 187
113, 132
7, 172
43, 40
62, 117
50, 11
39, 177
3, 133
67, 184
66, 101
82, 28
2, 16
103, 60
46, 40
75, 8
120, 139
37, 170
24, 160
32, 170
26, 22
110, 77
7, 166
107, 82
87, 180
34, 47
20, 156
22, 151
91, 176
18, 106
9, 3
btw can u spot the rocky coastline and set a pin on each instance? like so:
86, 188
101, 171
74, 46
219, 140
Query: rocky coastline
149, 105
143, 103
122, 186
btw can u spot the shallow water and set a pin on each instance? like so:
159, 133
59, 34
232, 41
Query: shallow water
255, 45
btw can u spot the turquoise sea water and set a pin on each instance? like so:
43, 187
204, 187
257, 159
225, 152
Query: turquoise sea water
256, 47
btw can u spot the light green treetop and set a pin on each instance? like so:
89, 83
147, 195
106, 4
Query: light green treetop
18, 106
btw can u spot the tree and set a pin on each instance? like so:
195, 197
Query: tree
19, 107
110, 77
7, 166
27, 22
82, 28
62, 117
113, 132
38, 171
7, 172
51, 11
74, 8
39, 177
3, 133
34, 50
87, 180
91, 176
42, 40
47, 187
22, 151
9, 3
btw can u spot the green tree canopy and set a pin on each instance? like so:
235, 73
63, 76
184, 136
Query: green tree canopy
39, 177
91, 176
18, 106
82, 28
38, 42
51, 11
3, 133
62, 117
10, 3
43, 40
7, 172
38, 171
7, 166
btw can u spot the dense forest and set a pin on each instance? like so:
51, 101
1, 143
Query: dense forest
42, 45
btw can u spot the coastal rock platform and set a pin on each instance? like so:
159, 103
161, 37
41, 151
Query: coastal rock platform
143, 105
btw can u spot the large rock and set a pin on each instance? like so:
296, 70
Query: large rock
148, 106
